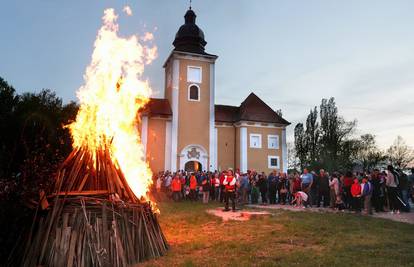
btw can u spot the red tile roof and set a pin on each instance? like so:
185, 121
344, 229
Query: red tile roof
251, 109
225, 113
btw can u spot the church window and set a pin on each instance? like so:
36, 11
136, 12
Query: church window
194, 74
273, 162
255, 140
194, 92
273, 142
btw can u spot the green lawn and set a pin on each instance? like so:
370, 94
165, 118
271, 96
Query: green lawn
283, 239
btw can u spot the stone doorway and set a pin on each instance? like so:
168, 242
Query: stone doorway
193, 166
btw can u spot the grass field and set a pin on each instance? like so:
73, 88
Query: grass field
283, 239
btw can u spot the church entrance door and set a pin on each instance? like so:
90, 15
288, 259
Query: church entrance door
193, 166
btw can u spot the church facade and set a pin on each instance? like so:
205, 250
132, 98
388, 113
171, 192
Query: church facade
186, 130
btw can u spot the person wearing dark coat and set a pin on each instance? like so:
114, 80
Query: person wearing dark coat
282, 188
377, 191
323, 188
263, 187
273, 180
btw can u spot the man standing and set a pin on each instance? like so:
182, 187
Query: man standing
323, 189
366, 190
273, 180
263, 186
307, 180
314, 188
229, 183
377, 191
244, 186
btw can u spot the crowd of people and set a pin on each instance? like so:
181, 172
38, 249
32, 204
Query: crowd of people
388, 190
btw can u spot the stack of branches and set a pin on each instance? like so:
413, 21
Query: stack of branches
94, 219
92, 173
85, 231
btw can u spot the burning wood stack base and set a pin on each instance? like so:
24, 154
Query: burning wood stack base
85, 231
94, 219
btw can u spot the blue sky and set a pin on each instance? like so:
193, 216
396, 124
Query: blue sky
290, 53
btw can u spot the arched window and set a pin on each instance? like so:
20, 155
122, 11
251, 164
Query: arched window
193, 92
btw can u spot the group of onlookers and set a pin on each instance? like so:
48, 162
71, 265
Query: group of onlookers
388, 190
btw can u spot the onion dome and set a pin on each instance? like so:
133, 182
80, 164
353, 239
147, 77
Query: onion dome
190, 38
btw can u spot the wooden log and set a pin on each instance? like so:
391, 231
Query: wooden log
82, 193
72, 246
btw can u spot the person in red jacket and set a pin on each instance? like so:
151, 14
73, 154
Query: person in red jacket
229, 183
193, 187
348, 180
176, 188
356, 195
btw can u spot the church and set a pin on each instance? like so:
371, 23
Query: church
187, 130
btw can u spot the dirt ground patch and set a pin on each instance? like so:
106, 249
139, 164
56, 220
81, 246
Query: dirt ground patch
238, 215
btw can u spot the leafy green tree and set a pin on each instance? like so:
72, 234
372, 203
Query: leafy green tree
312, 135
335, 132
301, 146
33, 142
293, 161
326, 143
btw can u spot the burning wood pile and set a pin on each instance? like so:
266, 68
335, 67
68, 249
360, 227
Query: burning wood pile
100, 213
95, 220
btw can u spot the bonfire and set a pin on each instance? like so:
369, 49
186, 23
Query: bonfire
100, 212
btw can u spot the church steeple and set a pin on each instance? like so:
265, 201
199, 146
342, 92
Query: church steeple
190, 38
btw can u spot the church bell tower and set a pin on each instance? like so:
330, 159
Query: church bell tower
189, 87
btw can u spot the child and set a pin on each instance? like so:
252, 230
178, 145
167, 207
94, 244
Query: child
300, 199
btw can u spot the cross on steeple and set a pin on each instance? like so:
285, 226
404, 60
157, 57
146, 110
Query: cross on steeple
190, 5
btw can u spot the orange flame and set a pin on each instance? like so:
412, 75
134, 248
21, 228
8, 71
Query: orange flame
110, 98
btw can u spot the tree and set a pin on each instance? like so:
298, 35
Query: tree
33, 141
300, 145
335, 132
326, 143
312, 134
8, 127
369, 155
293, 162
400, 154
